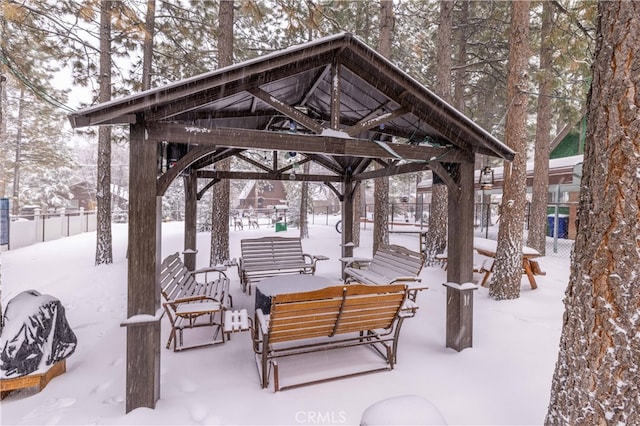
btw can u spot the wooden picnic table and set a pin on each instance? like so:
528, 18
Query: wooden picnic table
420, 232
488, 248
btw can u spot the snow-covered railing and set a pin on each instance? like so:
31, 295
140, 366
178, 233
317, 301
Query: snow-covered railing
40, 227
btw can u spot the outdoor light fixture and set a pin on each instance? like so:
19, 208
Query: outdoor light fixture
486, 178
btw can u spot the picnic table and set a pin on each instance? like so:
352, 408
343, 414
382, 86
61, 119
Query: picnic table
420, 232
530, 267
487, 248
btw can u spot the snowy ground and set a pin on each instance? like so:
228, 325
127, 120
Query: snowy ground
504, 379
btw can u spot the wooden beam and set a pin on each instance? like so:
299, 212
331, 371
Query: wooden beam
214, 174
335, 95
253, 162
206, 187
313, 144
392, 170
328, 163
370, 123
316, 82
285, 109
452, 185
164, 181
335, 190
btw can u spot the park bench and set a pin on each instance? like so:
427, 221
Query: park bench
269, 256
390, 264
191, 303
331, 318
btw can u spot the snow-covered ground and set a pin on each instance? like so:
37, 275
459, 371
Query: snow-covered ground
504, 379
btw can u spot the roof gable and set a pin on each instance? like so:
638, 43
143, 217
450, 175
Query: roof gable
377, 101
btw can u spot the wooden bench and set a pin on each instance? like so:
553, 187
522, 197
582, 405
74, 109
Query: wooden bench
330, 318
190, 303
270, 256
390, 264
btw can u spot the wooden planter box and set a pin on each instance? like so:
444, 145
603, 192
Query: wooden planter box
31, 380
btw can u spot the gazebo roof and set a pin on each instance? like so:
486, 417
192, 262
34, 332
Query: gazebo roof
376, 103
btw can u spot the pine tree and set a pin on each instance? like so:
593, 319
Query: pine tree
507, 275
104, 250
596, 375
436, 241
220, 193
538, 221
381, 189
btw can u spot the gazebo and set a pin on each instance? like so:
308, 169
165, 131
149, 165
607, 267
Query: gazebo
336, 102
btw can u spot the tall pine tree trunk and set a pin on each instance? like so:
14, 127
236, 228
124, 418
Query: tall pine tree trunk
540, 195
596, 376
3, 133
220, 192
147, 51
436, 241
304, 204
381, 184
104, 253
507, 275
18, 155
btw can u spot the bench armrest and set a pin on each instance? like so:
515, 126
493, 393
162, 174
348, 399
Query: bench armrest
412, 292
357, 262
190, 299
262, 321
414, 278
218, 268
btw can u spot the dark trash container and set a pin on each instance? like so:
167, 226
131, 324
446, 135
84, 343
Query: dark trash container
563, 226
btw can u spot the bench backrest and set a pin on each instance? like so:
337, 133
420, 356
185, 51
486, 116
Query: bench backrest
394, 260
176, 280
334, 310
271, 250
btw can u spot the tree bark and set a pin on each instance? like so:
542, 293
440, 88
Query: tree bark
596, 375
540, 194
507, 275
436, 241
3, 132
381, 185
357, 211
147, 58
220, 192
18, 155
104, 252
304, 203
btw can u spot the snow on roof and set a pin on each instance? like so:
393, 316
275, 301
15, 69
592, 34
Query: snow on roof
498, 172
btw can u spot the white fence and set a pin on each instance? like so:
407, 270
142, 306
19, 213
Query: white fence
40, 227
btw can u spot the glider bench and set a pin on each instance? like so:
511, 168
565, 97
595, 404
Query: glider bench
270, 256
190, 303
331, 318
390, 264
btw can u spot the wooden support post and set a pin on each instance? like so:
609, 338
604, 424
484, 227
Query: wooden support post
347, 219
143, 341
190, 219
460, 259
